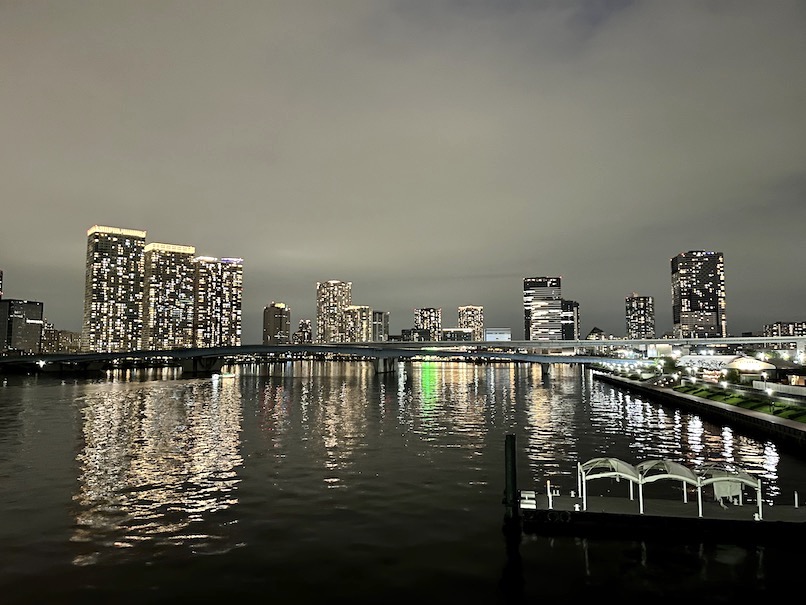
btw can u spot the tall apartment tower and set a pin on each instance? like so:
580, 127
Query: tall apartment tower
542, 308
168, 300
430, 320
358, 323
276, 323
332, 298
1, 284
570, 320
113, 290
698, 295
21, 326
304, 333
472, 317
640, 316
218, 294
380, 326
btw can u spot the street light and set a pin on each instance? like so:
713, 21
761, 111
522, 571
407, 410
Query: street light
764, 376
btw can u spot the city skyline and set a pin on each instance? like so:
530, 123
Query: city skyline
433, 154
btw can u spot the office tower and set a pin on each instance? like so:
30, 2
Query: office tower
168, 300
21, 326
542, 308
332, 298
698, 295
358, 323
472, 316
304, 333
570, 320
380, 326
276, 323
430, 320
218, 292
113, 290
640, 316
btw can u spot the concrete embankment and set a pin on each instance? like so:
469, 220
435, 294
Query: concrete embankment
788, 433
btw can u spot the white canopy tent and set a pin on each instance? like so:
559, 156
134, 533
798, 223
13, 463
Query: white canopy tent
726, 479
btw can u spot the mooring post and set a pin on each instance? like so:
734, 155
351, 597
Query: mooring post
511, 485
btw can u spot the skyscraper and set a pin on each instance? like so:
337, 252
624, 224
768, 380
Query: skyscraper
113, 290
640, 316
168, 301
472, 316
218, 294
542, 308
276, 323
21, 324
570, 320
698, 295
430, 320
358, 323
332, 298
380, 326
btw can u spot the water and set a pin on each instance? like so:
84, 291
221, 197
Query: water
323, 482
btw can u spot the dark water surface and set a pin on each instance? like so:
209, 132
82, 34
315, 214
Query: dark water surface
321, 482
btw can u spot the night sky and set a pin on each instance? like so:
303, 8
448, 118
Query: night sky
432, 153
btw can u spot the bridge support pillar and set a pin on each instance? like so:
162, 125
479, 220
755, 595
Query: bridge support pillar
386, 365
202, 366
545, 371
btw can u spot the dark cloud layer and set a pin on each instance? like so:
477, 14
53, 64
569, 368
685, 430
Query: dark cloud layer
433, 153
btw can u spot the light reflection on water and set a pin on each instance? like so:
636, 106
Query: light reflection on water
398, 476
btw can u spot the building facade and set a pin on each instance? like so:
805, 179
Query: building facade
542, 308
113, 290
570, 320
380, 326
429, 319
472, 317
698, 295
168, 296
218, 296
332, 298
304, 333
358, 323
276, 323
640, 316
21, 326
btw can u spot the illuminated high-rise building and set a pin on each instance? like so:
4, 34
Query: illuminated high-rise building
1, 284
332, 298
698, 295
21, 325
430, 320
640, 316
380, 326
168, 301
276, 323
304, 333
542, 308
570, 320
218, 293
472, 316
358, 323
113, 290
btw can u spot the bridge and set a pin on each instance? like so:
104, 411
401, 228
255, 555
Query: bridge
385, 355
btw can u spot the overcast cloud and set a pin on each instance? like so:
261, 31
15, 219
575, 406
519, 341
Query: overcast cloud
432, 153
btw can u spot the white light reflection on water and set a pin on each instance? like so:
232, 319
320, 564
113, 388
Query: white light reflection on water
155, 461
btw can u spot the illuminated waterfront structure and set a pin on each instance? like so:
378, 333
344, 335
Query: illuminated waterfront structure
698, 295
276, 323
542, 308
640, 316
457, 334
21, 326
358, 323
332, 298
380, 326
168, 298
472, 317
430, 320
113, 290
218, 293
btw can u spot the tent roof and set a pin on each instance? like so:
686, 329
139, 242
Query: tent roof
653, 470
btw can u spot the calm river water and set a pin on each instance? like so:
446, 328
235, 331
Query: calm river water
321, 482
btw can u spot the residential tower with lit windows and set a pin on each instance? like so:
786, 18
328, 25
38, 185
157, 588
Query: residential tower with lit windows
698, 295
